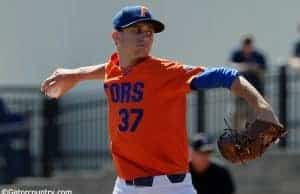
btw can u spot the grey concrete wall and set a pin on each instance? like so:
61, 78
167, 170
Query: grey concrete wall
38, 35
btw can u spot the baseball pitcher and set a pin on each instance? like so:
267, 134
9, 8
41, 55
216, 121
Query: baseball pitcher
147, 105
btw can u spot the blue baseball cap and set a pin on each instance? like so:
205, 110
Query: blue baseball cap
130, 15
201, 143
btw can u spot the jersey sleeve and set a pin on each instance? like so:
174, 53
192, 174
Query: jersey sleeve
177, 77
107, 69
297, 49
236, 57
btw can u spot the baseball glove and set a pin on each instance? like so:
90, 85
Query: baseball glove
242, 145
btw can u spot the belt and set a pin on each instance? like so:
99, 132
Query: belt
148, 181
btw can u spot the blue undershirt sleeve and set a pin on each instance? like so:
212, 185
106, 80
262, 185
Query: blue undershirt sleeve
219, 77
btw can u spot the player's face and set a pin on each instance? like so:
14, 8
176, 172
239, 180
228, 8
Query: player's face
247, 49
200, 159
136, 40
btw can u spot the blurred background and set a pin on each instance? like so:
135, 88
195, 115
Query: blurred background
64, 143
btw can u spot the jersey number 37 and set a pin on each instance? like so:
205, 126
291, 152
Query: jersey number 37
125, 117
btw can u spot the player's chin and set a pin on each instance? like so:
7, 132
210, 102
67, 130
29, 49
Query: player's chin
141, 53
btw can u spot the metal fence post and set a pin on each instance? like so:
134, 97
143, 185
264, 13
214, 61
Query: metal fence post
283, 94
50, 138
201, 111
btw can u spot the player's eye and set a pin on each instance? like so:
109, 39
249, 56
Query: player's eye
148, 33
134, 31
138, 31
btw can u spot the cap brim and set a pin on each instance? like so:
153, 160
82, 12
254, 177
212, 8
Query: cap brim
206, 148
157, 25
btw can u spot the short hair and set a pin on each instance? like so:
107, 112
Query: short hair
247, 40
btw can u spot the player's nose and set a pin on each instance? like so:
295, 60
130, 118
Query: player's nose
145, 35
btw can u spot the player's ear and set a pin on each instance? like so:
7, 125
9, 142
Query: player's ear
115, 36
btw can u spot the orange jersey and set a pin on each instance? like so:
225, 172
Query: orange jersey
147, 116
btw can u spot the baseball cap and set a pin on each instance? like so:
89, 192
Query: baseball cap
130, 15
201, 143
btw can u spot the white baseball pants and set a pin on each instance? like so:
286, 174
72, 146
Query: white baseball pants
161, 185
